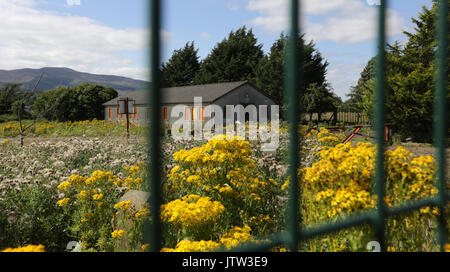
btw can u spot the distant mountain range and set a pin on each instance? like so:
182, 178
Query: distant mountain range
58, 77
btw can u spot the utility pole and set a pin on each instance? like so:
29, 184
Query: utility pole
124, 105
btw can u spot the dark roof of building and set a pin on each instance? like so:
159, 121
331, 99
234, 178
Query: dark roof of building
185, 94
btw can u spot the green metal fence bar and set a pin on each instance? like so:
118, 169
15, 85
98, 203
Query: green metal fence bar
351, 221
264, 243
379, 125
154, 236
292, 95
440, 111
413, 205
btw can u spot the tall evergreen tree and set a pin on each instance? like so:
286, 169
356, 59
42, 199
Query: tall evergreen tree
410, 80
356, 95
182, 67
232, 59
270, 70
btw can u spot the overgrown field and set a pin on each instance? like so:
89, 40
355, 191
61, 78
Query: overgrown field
92, 128
217, 194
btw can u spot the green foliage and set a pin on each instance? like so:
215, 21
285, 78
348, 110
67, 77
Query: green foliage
410, 78
31, 217
182, 67
233, 59
29, 213
8, 94
320, 99
13, 97
366, 80
11, 93
83, 102
92, 128
240, 57
270, 71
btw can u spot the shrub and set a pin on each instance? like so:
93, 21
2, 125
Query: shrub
340, 183
92, 204
223, 173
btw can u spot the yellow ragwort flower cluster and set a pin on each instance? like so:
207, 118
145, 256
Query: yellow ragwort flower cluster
193, 246
123, 205
117, 234
342, 177
326, 138
232, 238
223, 167
236, 236
29, 248
191, 211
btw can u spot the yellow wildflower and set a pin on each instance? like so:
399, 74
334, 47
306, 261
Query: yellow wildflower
63, 186
142, 212
29, 248
236, 236
63, 202
97, 196
144, 247
90, 180
124, 205
191, 211
77, 180
193, 246
117, 234
83, 194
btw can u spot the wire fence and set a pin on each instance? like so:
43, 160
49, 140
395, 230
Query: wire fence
294, 234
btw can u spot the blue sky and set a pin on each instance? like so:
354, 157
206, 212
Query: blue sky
110, 36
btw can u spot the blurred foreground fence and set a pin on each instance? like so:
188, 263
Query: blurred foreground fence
294, 233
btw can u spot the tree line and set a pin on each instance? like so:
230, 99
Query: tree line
83, 102
410, 76
240, 57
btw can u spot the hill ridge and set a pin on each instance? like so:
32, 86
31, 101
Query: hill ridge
54, 77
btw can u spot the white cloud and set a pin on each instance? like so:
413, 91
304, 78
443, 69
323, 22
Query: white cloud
343, 75
345, 21
373, 2
165, 36
205, 35
34, 38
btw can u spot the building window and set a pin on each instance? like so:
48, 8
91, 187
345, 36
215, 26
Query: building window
166, 114
110, 113
148, 113
202, 113
118, 115
135, 113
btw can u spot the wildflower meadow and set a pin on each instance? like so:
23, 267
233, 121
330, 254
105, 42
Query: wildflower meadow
68, 181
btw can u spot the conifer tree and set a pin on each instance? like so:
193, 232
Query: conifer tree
233, 59
182, 67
